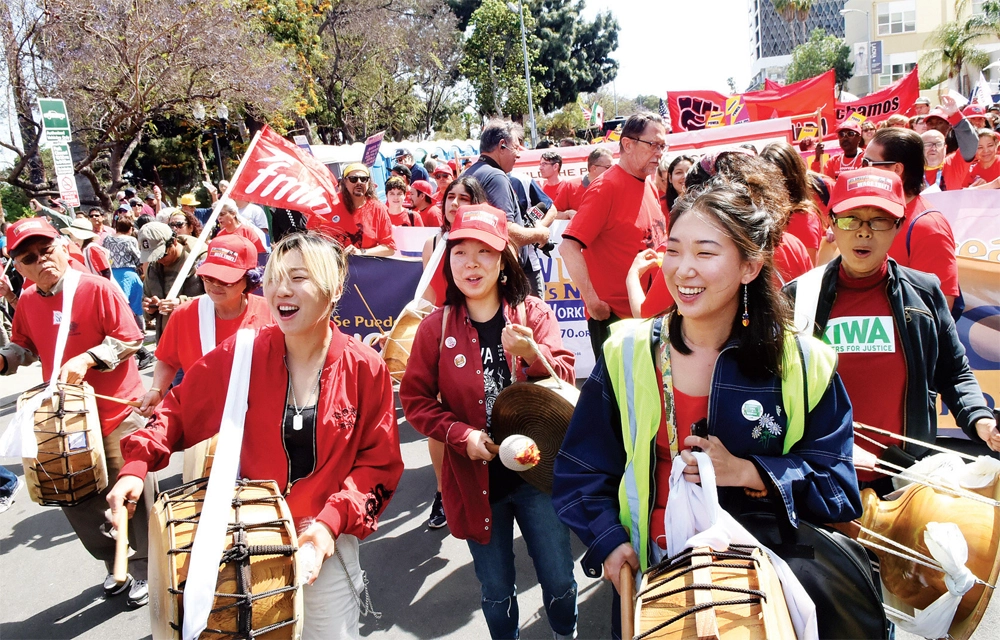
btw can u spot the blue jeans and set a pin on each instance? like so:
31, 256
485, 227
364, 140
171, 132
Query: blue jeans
7, 482
548, 545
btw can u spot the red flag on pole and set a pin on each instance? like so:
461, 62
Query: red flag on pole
280, 174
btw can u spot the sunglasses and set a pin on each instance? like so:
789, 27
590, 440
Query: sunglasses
865, 162
176, 225
29, 259
96, 215
357, 179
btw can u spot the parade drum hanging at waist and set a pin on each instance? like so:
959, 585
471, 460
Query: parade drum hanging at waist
898, 525
70, 466
396, 351
700, 593
198, 459
540, 410
258, 593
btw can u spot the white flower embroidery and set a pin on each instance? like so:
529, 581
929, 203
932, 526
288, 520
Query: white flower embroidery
767, 427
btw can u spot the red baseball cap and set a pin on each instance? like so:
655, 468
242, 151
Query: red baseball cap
869, 187
443, 169
423, 187
849, 125
28, 228
974, 110
936, 112
228, 259
480, 222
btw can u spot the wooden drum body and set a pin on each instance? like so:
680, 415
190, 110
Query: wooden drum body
258, 565
198, 459
741, 582
70, 466
396, 351
904, 521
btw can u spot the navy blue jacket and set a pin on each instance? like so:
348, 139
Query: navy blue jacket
816, 480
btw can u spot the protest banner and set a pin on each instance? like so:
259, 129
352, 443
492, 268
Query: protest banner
795, 99
387, 284
277, 173
689, 110
975, 221
898, 97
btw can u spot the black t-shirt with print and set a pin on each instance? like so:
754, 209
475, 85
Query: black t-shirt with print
496, 377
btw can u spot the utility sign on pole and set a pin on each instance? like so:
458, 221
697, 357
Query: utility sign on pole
55, 119
62, 159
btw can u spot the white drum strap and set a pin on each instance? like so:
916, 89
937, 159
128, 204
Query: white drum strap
19, 439
431, 269
807, 299
206, 323
210, 538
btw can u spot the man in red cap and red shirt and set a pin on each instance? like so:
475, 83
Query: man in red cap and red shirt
102, 338
443, 175
881, 316
229, 273
849, 138
422, 196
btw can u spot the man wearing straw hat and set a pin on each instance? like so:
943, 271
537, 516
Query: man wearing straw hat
101, 339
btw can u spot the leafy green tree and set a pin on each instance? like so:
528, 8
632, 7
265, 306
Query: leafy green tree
494, 61
953, 47
820, 54
574, 53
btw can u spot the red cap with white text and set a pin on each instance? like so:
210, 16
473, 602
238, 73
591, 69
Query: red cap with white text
869, 187
480, 222
28, 228
229, 258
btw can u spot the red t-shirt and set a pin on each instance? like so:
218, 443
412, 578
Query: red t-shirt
406, 218
658, 298
954, 172
805, 226
863, 333
619, 217
566, 194
366, 228
247, 233
432, 217
99, 311
687, 411
988, 174
838, 163
791, 259
932, 245
180, 345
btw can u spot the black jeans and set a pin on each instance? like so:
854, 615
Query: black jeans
599, 332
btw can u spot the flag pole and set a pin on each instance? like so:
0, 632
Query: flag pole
209, 224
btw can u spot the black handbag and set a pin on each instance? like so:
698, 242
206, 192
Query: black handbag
834, 570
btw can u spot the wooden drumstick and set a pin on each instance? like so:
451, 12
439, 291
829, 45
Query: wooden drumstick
131, 403
626, 589
374, 319
120, 571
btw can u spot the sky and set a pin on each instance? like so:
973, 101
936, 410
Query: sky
678, 44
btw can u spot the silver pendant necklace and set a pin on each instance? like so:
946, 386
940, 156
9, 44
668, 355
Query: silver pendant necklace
297, 418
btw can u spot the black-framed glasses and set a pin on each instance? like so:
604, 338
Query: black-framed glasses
850, 223
657, 146
867, 162
357, 179
29, 259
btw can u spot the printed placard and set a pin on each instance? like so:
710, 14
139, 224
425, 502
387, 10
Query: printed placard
861, 334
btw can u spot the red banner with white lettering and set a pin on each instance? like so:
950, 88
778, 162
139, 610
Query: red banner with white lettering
898, 97
277, 173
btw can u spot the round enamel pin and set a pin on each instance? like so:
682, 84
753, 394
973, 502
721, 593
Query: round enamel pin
460, 361
752, 410
450, 342
336, 219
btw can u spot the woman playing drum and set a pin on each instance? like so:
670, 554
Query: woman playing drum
230, 273
723, 355
463, 355
891, 319
320, 423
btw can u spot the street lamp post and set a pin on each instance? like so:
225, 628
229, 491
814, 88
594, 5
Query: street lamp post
868, 49
527, 71
222, 113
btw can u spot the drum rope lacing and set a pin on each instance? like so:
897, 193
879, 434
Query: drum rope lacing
240, 553
670, 566
49, 493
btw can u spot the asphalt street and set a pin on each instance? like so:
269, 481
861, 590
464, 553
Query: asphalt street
421, 581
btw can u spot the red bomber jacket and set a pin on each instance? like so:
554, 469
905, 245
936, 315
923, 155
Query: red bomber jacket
453, 368
358, 462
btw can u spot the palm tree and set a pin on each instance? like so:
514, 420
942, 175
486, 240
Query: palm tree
792, 11
953, 46
802, 9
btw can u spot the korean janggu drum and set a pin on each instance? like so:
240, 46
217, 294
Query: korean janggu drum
701, 593
70, 466
258, 594
199, 458
396, 351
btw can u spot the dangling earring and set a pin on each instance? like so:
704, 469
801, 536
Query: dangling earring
503, 277
746, 310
